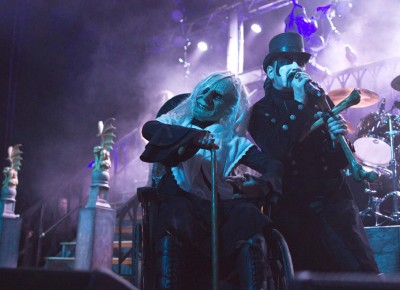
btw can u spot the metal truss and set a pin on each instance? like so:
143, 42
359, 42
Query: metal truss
375, 76
369, 76
245, 9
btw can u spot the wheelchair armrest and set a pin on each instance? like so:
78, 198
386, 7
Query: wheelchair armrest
147, 194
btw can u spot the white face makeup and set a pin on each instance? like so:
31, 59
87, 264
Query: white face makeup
283, 71
214, 101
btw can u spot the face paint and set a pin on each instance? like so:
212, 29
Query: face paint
282, 61
283, 72
214, 101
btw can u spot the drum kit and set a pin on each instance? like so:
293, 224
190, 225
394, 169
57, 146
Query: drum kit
377, 147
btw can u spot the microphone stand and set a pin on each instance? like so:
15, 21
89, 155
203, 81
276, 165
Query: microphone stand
357, 171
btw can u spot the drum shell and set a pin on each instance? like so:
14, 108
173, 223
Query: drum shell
377, 125
383, 184
372, 145
386, 205
371, 126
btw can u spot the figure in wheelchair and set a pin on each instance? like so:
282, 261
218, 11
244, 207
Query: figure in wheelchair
213, 116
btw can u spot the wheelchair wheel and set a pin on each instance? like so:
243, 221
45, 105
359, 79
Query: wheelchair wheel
279, 260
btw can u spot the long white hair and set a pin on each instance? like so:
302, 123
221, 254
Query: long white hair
234, 119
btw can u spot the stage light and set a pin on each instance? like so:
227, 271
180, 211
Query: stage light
256, 28
202, 46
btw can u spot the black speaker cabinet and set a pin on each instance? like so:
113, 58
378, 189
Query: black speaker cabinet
34, 279
344, 281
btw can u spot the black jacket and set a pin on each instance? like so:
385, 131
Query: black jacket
312, 166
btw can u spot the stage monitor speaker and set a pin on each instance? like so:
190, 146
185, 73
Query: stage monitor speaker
34, 279
344, 281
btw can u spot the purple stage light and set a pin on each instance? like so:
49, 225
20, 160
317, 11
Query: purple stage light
202, 45
255, 27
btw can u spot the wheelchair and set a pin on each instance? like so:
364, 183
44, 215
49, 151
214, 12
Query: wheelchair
278, 255
280, 268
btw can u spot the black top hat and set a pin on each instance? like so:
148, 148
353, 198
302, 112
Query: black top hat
287, 43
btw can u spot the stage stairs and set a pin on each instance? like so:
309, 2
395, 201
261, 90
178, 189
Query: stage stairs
126, 248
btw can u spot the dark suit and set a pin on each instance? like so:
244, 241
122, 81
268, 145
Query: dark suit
316, 213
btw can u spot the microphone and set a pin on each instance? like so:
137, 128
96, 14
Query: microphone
313, 89
382, 106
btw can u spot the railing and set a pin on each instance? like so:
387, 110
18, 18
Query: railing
41, 233
61, 220
374, 76
75, 191
129, 209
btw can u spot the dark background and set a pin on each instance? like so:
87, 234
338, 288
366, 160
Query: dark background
65, 65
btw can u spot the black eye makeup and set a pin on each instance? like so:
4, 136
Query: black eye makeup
289, 60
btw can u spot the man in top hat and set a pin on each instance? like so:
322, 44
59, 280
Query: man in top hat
316, 213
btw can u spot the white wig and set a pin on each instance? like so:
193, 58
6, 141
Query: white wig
234, 119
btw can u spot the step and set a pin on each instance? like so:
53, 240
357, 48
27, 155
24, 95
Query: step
62, 263
138, 215
67, 260
68, 249
128, 261
68, 244
124, 230
124, 244
59, 263
61, 259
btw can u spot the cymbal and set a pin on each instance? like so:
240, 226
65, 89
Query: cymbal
396, 83
350, 128
368, 97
